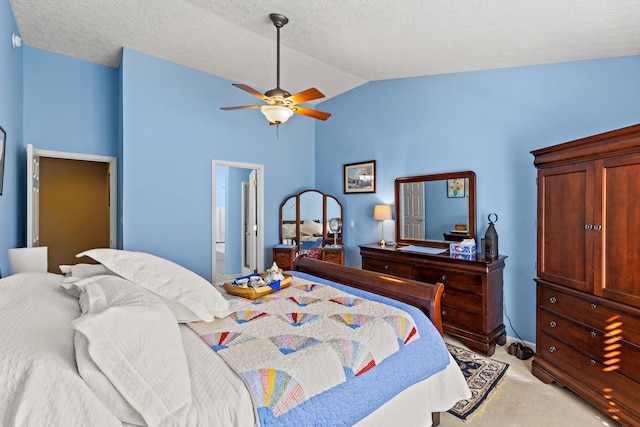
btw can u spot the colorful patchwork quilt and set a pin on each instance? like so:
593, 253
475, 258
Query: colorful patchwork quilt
316, 339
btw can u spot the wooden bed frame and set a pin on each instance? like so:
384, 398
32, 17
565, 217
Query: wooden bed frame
422, 295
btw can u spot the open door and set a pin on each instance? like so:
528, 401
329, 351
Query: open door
33, 196
241, 253
250, 225
71, 203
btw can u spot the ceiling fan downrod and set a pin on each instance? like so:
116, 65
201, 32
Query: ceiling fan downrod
279, 21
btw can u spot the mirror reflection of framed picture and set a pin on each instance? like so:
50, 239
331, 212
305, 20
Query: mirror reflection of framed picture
360, 177
3, 143
456, 188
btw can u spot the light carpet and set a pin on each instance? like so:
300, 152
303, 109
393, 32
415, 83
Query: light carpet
483, 376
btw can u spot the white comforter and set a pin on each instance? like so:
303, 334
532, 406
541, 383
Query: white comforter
40, 384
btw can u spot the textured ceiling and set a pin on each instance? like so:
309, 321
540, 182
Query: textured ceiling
334, 45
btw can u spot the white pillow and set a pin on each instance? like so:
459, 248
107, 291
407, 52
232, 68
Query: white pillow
310, 227
129, 351
199, 298
84, 270
288, 231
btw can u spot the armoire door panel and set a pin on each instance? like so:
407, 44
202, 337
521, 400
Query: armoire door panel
565, 241
620, 280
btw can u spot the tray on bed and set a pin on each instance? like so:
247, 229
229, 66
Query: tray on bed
255, 293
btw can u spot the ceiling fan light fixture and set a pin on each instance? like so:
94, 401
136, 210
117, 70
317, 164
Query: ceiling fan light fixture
276, 114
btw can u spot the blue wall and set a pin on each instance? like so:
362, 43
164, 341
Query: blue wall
12, 201
172, 128
70, 105
485, 121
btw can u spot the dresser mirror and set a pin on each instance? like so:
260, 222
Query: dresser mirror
305, 217
435, 210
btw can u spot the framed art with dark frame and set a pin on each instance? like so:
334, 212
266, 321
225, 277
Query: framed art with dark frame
360, 177
3, 146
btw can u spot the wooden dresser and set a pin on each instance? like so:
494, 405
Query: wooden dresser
472, 299
588, 267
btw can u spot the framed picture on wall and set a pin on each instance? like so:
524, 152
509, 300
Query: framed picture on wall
455, 188
3, 146
360, 177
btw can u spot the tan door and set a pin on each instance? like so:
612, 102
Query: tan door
74, 211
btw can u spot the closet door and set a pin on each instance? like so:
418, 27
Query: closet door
619, 276
565, 221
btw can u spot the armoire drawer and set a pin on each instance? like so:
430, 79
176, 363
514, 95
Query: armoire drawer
615, 387
387, 267
450, 279
462, 300
610, 351
592, 311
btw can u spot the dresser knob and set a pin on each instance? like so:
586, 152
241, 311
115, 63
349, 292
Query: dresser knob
588, 226
444, 312
553, 300
593, 306
444, 277
593, 334
553, 324
386, 267
552, 349
593, 362
444, 294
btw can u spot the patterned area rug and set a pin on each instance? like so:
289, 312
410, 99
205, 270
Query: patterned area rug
483, 376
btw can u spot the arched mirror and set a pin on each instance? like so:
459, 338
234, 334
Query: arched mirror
435, 210
305, 218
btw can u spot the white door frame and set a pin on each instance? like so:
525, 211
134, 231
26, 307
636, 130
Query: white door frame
33, 177
259, 214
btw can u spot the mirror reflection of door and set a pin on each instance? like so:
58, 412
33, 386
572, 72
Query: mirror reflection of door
413, 214
237, 215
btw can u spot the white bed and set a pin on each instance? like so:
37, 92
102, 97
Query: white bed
42, 385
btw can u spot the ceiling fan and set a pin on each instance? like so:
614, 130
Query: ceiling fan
280, 104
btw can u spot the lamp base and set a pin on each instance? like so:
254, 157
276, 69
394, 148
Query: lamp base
382, 243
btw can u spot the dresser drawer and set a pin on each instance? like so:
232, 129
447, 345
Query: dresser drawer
283, 257
387, 267
450, 279
615, 387
613, 352
462, 300
333, 255
592, 311
453, 316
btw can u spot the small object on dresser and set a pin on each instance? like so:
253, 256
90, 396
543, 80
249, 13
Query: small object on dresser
465, 249
490, 241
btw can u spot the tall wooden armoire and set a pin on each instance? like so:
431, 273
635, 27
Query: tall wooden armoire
588, 267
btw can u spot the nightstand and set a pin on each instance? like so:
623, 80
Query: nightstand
333, 254
283, 256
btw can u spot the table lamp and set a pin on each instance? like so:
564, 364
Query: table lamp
382, 213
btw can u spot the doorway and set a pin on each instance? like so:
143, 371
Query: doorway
237, 219
71, 204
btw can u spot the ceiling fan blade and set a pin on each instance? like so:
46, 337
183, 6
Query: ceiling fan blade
251, 90
321, 115
240, 108
306, 95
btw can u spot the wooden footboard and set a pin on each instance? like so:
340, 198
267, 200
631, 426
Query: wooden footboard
425, 296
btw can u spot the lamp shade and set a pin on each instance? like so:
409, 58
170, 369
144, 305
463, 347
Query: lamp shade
382, 212
276, 114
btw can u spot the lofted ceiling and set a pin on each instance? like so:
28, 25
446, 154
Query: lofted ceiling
334, 45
